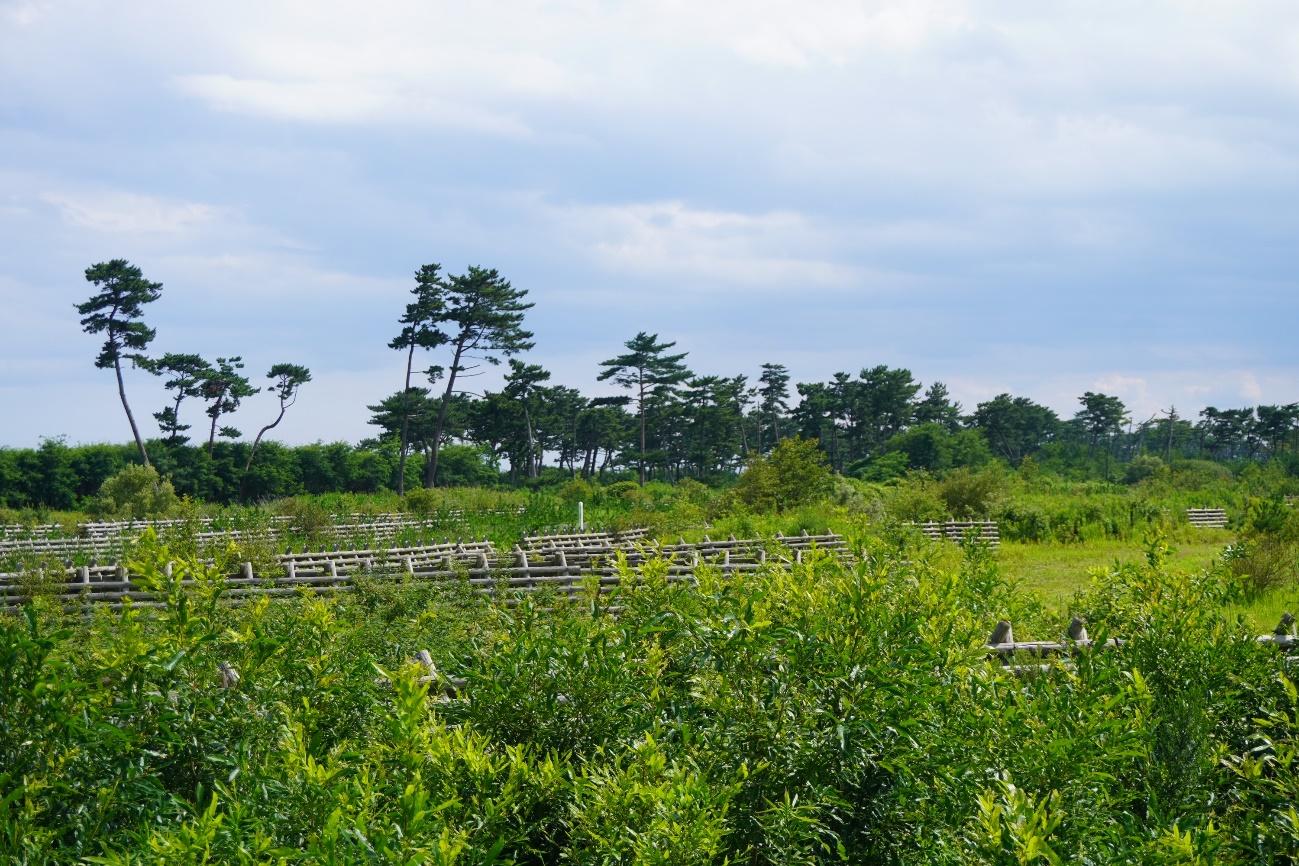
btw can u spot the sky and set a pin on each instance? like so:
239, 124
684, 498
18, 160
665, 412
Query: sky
1040, 198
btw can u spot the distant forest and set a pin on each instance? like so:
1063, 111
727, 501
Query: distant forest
672, 423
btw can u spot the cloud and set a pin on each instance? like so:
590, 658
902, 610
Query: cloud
726, 248
117, 212
1040, 198
343, 102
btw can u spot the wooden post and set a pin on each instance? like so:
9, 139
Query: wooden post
1077, 629
1002, 634
1285, 626
248, 571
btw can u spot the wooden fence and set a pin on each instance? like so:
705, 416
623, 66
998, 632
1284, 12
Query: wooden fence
104, 539
565, 564
113, 528
958, 530
1003, 646
1207, 518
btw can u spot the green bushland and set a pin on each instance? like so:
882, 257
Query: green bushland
817, 713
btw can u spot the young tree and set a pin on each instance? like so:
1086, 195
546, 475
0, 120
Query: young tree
419, 330
521, 384
224, 388
114, 310
648, 368
286, 379
486, 317
774, 390
1015, 426
1102, 416
938, 408
187, 373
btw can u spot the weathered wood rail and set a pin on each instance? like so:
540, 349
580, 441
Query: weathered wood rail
1207, 518
566, 566
985, 531
103, 539
111, 528
1003, 647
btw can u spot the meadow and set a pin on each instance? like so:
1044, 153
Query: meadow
822, 708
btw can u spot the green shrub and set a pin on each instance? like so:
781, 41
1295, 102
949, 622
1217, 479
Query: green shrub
136, 493
1142, 467
794, 473
577, 490
969, 493
915, 500
1266, 555
423, 501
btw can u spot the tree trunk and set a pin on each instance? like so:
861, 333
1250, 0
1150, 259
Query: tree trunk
211, 436
121, 391
243, 479
431, 475
532, 442
405, 422
258, 441
641, 463
175, 421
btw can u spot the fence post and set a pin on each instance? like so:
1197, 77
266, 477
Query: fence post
1077, 629
581, 517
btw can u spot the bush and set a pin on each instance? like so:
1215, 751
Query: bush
136, 493
794, 473
916, 500
423, 501
465, 466
1142, 467
968, 493
1267, 554
577, 490
623, 492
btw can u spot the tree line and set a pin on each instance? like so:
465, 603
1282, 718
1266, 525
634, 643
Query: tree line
674, 422
671, 422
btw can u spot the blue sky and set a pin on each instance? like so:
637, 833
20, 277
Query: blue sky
1042, 198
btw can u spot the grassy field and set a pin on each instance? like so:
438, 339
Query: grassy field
1057, 572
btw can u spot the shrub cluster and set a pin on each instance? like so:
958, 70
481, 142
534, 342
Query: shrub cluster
815, 713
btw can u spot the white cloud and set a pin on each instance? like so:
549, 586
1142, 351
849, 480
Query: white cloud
966, 187
725, 248
336, 101
116, 212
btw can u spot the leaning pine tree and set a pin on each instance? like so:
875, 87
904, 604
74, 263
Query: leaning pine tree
114, 311
485, 315
286, 379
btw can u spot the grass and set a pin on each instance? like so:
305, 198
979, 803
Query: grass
1056, 572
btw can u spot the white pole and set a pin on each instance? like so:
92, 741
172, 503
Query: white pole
581, 517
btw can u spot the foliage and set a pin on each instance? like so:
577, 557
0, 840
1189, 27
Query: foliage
483, 315
653, 373
136, 493
1266, 555
970, 494
115, 310
794, 473
810, 713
